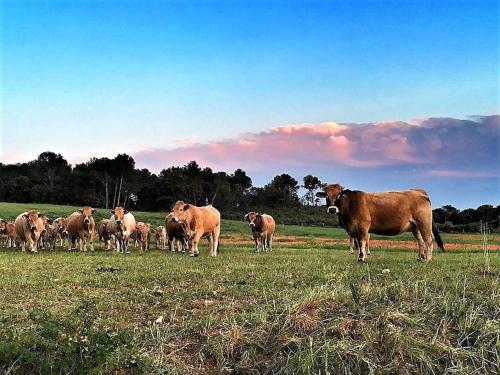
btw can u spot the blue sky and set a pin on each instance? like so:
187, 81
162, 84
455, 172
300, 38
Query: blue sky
97, 78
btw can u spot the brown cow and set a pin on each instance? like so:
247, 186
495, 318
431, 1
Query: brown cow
387, 213
121, 225
202, 221
81, 228
105, 235
141, 234
263, 227
7, 230
178, 233
29, 228
160, 237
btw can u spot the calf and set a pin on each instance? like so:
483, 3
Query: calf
8, 231
121, 225
142, 232
105, 235
263, 227
50, 236
28, 228
160, 237
81, 227
178, 233
62, 234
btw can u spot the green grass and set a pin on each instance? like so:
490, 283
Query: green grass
306, 309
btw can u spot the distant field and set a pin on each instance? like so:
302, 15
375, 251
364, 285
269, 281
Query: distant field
308, 307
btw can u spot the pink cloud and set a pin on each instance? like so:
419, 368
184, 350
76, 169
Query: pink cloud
451, 147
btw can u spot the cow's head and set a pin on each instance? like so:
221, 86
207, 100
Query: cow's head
119, 213
180, 211
61, 225
254, 220
31, 218
331, 192
87, 213
3, 226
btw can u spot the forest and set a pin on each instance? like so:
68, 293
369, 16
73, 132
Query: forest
109, 182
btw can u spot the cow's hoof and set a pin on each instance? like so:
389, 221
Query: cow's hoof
361, 260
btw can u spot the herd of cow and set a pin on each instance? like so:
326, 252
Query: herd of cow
183, 229
360, 213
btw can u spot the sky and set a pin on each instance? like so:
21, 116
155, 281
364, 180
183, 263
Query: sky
377, 95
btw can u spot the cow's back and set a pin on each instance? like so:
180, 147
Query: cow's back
20, 226
269, 224
73, 223
207, 218
129, 223
393, 212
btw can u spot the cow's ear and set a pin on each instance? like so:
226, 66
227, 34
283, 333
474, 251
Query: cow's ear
246, 217
125, 211
112, 212
259, 215
81, 211
94, 210
321, 194
186, 207
25, 216
342, 187
39, 214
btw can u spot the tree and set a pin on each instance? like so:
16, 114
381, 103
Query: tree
311, 184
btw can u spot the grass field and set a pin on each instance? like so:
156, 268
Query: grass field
308, 307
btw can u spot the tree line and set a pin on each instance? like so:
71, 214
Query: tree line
110, 182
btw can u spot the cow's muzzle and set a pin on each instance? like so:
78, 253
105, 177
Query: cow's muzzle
332, 210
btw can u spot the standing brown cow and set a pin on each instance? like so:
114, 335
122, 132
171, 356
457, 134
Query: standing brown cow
387, 213
121, 225
202, 221
29, 228
263, 227
81, 227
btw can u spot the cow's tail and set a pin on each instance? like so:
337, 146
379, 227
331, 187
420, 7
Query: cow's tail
437, 237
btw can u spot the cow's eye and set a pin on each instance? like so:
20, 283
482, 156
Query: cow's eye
181, 209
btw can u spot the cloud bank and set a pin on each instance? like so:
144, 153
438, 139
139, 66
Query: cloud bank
447, 147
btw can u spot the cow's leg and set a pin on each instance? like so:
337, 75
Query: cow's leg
421, 243
270, 241
368, 245
194, 246
215, 244
256, 239
23, 246
426, 232
351, 244
363, 240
